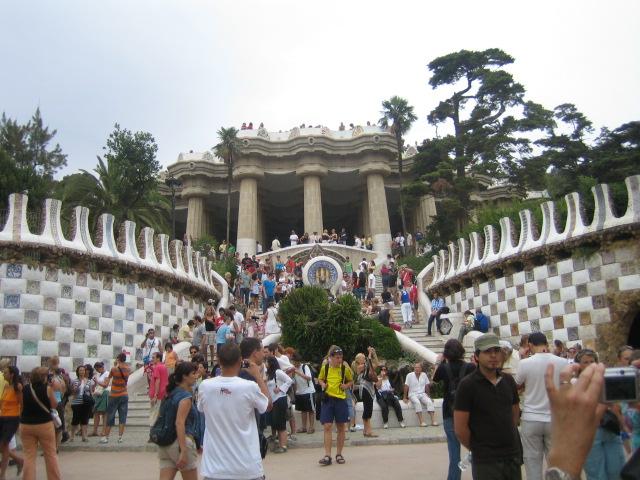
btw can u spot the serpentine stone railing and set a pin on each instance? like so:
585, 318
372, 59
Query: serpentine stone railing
481, 270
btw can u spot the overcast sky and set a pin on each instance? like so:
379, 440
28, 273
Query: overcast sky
182, 69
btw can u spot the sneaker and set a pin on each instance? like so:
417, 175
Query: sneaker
85, 440
119, 439
423, 424
352, 429
279, 450
385, 426
293, 438
359, 427
402, 425
104, 440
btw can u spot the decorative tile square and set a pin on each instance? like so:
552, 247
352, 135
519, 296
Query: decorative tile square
165, 297
501, 295
476, 289
51, 275
150, 293
76, 362
494, 309
612, 285
545, 310
185, 313
12, 300
106, 311
158, 307
535, 325
78, 335
542, 286
585, 318
595, 274
116, 351
48, 333
117, 326
67, 291
29, 347
120, 299
139, 328
94, 295
50, 304
599, 301
581, 290
485, 300
14, 270
508, 281
628, 268
131, 288
130, 314
140, 303
128, 340
554, 295
496, 331
607, 257
94, 323
81, 280
558, 322
92, 351
514, 330
528, 275
511, 304
165, 320
10, 332
65, 319
149, 317
578, 264
139, 354
552, 270
572, 334
81, 307
106, 338
173, 307
33, 287
504, 320
31, 316
531, 301
107, 283
64, 349
520, 291
565, 278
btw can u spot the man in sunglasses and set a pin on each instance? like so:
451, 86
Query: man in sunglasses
487, 413
335, 378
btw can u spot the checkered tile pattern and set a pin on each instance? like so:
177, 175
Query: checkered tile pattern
564, 299
82, 319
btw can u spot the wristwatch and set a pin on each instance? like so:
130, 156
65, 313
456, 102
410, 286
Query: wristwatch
554, 473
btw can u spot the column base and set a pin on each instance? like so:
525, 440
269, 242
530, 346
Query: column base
382, 243
246, 245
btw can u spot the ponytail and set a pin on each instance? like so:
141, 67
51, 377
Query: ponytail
182, 370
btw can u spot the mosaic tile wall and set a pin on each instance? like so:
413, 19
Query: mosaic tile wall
46, 312
565, 300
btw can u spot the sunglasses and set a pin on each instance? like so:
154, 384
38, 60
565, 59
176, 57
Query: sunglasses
337, 351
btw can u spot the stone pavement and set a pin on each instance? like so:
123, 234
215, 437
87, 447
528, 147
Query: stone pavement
428, 461
136, 440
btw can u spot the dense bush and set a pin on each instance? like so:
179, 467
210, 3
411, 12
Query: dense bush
311, 324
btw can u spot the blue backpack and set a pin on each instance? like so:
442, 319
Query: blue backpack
163, 433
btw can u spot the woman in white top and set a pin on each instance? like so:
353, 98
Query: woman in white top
271, 325
278, 384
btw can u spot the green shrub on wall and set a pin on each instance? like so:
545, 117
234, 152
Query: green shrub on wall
311, 324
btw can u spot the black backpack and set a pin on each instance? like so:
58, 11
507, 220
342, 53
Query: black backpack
454, 381
163, 433
314, 376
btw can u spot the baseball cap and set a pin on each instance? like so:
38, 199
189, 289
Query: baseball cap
486, 342
538, 338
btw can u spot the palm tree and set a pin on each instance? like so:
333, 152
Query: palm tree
398, 114
103, 192
226, 149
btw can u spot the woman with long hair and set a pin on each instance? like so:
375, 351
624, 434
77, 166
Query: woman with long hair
101, 396
182, 455
366, 378
81, 404
452, 369
10, 407
36, 426
278, 383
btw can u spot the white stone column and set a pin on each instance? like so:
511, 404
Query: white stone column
378, 213
425, 212
197, 221
312, 204
366, 228
247, 216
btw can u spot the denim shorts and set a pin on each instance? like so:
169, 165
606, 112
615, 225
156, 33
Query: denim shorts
120, 405
334, 409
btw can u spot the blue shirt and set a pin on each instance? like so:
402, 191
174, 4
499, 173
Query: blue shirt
437, 303
269, 287
280, 266
221, 334
405, 296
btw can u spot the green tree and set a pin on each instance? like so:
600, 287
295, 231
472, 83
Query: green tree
226, 149
125, 183
28, 160
398, 115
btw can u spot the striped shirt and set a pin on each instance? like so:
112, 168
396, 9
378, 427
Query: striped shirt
118, 381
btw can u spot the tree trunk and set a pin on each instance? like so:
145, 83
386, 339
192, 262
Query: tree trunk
404, 223
229, 182
459, 149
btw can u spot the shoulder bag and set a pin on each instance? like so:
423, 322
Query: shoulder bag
55, 418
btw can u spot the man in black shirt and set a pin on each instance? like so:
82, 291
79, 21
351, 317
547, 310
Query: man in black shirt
486, 415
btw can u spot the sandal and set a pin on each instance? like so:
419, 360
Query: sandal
326, 461
311, 430
339, 459
371, 435
301, 430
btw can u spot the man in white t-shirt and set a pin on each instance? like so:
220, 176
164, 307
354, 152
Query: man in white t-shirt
416, 391
231, 448
238, 323
371, 285
535, 425
275, 244
305, 394
293, 238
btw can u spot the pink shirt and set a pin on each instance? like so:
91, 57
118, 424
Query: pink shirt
159, 372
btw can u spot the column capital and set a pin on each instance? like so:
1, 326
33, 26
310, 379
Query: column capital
190, 191
375, 165
311, 165
247, 171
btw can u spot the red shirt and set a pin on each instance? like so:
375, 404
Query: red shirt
159, 372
